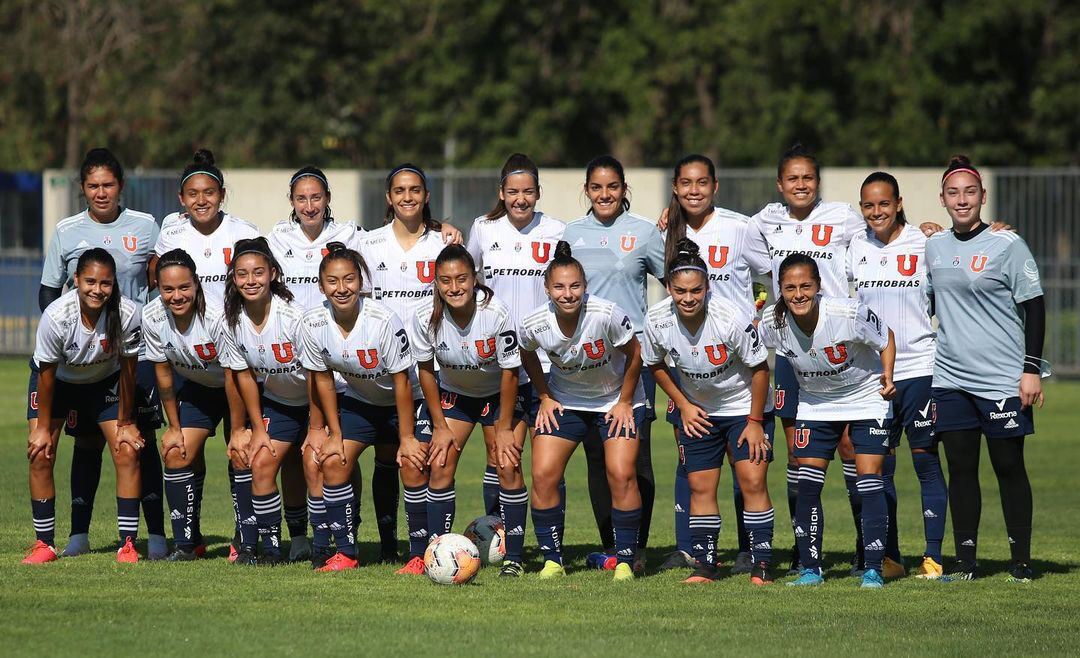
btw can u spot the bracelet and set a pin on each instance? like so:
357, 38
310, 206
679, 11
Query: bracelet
756, 420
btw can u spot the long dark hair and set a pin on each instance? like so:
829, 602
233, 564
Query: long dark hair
339, 251
609, 162
687, 256
430, 224
101, 157
888, 179
676, 226
563, 257
310, 171
449, 254
794, 260
234, 301
99, 256
202, 163
180, 258
518, 163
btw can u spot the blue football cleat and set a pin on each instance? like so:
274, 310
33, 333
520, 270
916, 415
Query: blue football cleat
872, 579
807, 577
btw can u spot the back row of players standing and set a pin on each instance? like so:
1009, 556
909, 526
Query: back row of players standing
511, 247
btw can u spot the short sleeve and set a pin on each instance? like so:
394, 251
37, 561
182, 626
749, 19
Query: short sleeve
155, 233
356, 238
49, 344
311, 354
526, 339
653, 350
131, 334
474, 247
396, 350
869, 329
161, 245
53, 271
151, 340
509, 356
767, 330
853, 224
654, 256
419, 334
1021, 272
231, 356
757, 249
620, 329
747, 341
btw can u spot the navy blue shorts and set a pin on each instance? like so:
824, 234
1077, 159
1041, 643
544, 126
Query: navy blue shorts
203, 407
819, 438
479, 410
913, 413
786, 393
648, 383
148, 412
88, 404
997, 419
707, 452
284, 422
377, 425
575, 425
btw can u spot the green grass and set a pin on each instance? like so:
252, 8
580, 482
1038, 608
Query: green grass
92, 606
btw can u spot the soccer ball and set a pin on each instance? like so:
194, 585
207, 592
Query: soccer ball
489, 535
451, 560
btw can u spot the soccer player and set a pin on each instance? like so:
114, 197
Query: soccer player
262, 345
362, 340
470, 333
887, 263
183, 333
86, 354
842, 356
987, 295
720, 406
617, 249
732, 259
593, 389
129, 237
512, 245
401, 261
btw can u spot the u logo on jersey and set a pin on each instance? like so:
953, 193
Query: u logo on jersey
207, 351
802, 437
485, 348
447, 400
425, 271
905, 263
368, 359
627, 242
541, 252
837, 354
283, 352
821, 234
723, 254
717, 354
978, 263
131, 243
105, 344
595, 349
72, 419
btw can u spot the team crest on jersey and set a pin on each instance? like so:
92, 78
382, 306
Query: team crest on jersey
905, 263
447, 400
798, 229
207, 252
107, 240
206, 351
718, 256
670, 406
283, 352
595, 349
978, 263
369, 358
72, 419
802, 437
33, 400
627, 242
778, 398
603, 241
956, 261
837, 354
131, 242
821, 234
485, 348
105, 344
425, 271
541, 252
404, 266
517, 246
308, 255
717, 354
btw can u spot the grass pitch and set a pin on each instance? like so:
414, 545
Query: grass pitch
92, 606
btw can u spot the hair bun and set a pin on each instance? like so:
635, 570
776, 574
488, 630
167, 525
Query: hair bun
563, 250
204, 157
687, 246
959, 160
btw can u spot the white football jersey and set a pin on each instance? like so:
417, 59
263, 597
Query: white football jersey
272, 354
731, 256
587, 368
714, 364
300, 258
84, 355
471, 359
375, 349
824, 236
839, 366
211, 253
196, 353
891, 279
400, 279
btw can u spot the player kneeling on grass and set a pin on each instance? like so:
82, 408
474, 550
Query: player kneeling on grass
87, 349
362, 340
262, 348
719, 407
842, 356
472, 337
593, 387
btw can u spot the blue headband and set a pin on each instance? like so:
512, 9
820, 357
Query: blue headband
203, 172
397, 171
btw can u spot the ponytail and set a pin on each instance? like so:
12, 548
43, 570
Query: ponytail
563, 257
687, 256
99, 256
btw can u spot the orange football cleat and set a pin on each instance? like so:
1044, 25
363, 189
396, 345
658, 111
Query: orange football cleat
339, 562
127, 553
40, 553
414, 567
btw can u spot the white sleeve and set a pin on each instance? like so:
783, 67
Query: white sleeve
620, 329
152, 341
161, 245
231, 357
869, 329
311, 357
509, 356
853, 225
747, 341
653, 350
131, 334
757, 249
419, 334
526, 340
49, 346
766, 330
474, 248
395, 346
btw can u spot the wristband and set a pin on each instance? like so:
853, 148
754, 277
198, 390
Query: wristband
756, 420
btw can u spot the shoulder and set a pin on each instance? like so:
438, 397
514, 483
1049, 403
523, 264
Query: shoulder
912, 235
283, 227
771, 212
316, 317
139, 217
496, 307
536, 317
128, 309
660, 313
839, 307
64, 309
723, 312
423, 309
730, 216
579, 224
861, 241
154, 311
241, 226
768, 318
173, 219
214, 318
71, 222
375, 236
598, 306
376, 310
288, 310
637, 222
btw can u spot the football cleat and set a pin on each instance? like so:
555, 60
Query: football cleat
890, 568
511, 569
245, 557
601, 561
320, 555
929, 569
199, 550
269, 559
678, 560
552, 569
807, 578
40, 553
623, 572
77, 545
414, 567
796, 564
127, 553
233, 553
961, 572
156, 547
744, 563
180, 555
759, 574
704, 573
339, 562
639, 562
871, 579
1020, 572
299, 549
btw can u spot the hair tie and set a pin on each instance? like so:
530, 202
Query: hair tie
958, 170
201, 171
297, 177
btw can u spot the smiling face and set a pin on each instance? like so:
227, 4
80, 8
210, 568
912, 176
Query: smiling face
177, 287
880, 207
309, 200
201, 197
963, 196
606, 192
798, 184
455, 282
102, 192
694, 188
688, 289
407, 196
252, 276
519, 193
340, 282
95, 284
799, 290
565, 287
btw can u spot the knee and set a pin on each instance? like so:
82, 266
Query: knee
334, 471
753, 485
621, 479
440, 477
545, 479
264, 467
510, 476
126, 457
42, 466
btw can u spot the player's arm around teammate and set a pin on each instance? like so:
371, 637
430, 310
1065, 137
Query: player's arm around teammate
87, 347
720, 405
594, 389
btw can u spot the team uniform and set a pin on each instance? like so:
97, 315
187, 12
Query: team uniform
300, 257
838, 370
714, 367
87, 379
211, 253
